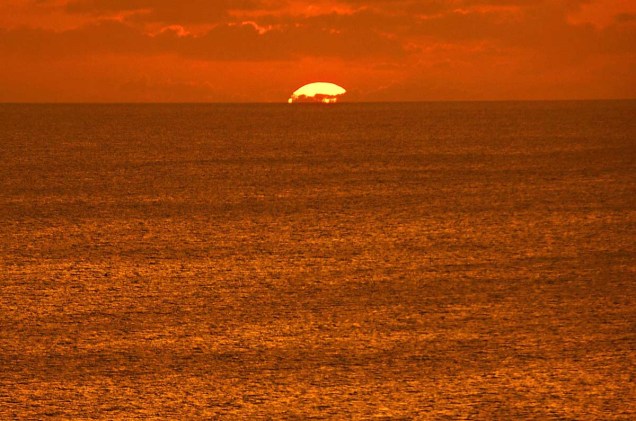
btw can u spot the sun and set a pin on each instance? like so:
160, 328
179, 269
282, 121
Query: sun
321, 92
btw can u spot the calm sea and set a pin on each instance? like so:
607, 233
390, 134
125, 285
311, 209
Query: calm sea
424, 260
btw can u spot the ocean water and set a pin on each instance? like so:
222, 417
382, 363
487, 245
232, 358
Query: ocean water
410, 261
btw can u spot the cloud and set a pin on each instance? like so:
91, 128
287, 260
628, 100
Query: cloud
381, 29
241, 42
167, 11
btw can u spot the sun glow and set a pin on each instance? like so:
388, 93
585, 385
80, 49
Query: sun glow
321, 92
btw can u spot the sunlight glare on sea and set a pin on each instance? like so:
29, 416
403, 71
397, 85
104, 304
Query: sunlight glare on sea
355, 260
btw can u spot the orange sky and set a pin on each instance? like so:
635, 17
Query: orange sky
262, 50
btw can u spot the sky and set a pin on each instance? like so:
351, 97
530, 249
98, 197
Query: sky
263, 50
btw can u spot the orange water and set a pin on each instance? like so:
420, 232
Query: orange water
459, 260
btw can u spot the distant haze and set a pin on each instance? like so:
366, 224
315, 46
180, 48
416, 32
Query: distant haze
262, 50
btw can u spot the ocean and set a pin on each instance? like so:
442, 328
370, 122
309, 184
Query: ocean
466, 260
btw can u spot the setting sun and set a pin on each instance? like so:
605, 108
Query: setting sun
324, 92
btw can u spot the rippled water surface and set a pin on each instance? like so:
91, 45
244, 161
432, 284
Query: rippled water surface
458, 260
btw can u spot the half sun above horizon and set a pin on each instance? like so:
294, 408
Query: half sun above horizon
321, 92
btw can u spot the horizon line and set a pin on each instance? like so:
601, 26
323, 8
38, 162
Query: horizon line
305, 104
